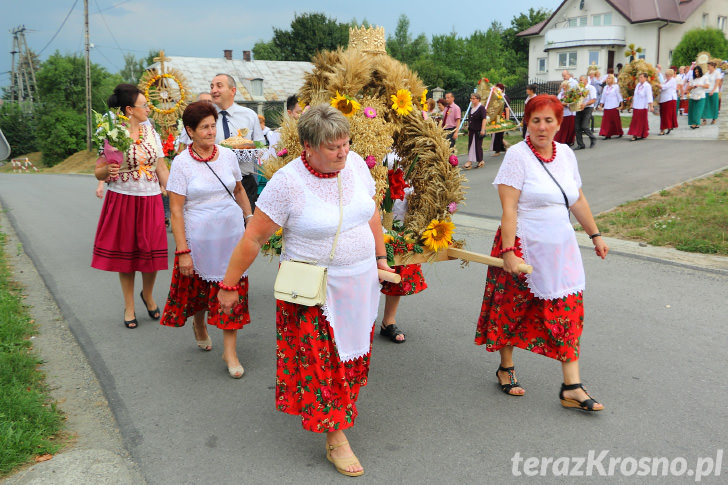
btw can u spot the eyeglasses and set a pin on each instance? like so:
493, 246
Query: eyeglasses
145, 106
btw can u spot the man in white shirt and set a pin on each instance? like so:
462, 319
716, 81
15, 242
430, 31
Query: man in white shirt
583, 117
231, 118
566, 76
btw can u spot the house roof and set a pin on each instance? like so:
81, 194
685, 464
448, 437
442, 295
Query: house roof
636, 11
280, 78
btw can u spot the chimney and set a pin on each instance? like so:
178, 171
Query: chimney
246, 56
228, 53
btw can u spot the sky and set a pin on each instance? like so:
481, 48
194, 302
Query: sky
183, 28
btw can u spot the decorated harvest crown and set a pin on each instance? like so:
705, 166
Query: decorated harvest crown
369, 40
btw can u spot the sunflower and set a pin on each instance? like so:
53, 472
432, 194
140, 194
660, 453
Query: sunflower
423, 100
402, 102
438, 235
388, 239
346, 104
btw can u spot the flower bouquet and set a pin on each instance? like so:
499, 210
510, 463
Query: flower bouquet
272, 247
574, 97
112, 135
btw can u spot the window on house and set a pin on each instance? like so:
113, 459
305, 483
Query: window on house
541, 64
721, 23
593, 58
577, 21
602, 19
705, 20
256, 86
567, 59
643, 54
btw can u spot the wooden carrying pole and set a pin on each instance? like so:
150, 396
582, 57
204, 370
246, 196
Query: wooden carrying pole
387, 276
455, 253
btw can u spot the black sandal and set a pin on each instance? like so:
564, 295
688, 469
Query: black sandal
153, 314
586, 405
506, 388
391, 332
131, 323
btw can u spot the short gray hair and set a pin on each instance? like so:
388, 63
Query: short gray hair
320, 124
230, 79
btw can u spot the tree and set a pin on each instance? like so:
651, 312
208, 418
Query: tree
18, 126
519, 23
403, 47
698, 40
134, 68
309, 33
266, 51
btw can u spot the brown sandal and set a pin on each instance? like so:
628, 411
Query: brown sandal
468, 165
342, 463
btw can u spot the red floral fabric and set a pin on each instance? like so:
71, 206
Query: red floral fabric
191, 294
413, 281
311, 381
512, 315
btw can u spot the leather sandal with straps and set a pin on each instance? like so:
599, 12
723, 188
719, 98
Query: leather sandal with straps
586, 405
341, 464
507, 388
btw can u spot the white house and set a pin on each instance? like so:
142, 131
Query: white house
584, 32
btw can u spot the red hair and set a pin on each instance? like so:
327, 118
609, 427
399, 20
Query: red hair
544, 101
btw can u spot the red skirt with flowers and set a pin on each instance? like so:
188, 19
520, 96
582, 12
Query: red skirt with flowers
413, 281
512, 315
311, 381
566, 133
191, 294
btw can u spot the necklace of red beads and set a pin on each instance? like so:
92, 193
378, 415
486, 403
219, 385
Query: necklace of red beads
315, 172
538, 155
194, 154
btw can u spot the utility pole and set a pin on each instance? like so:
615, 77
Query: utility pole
22, 78
89, 123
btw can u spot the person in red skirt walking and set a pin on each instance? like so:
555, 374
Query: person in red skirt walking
567, 130
668, 103
642, 101
208, 206
538, 182
611, 103
323, 352
131, 235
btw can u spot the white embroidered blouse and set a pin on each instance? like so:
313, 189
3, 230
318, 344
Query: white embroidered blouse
137, 174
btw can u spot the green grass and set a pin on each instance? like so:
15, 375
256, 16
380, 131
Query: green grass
624, 119
692, 217
29, 420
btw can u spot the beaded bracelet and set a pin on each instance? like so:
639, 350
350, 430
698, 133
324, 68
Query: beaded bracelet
225, 287
182, 251
507, 250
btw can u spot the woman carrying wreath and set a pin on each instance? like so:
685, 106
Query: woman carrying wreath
611, 102
131, 235
323, 352
476, 132
497, 144
541, 312
209, 206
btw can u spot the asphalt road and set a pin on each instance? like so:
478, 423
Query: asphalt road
653, 351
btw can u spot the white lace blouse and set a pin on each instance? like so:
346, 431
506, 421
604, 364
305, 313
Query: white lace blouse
307, 207
547, 238
213, 220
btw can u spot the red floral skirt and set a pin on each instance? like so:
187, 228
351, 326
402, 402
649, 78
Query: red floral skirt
668, 115
566, 133
413, 281
639, 126
131, 235
512, 315
191, 294
311, 381
611, 123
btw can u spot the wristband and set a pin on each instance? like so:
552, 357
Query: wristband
596, 234
381, 257
507, 250
248, 216
182, 251
225, 287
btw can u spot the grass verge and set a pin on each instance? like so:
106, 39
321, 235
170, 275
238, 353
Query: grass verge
692, 217
29, 420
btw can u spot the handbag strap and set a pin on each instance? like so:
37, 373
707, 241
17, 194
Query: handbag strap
218, 177
566, 199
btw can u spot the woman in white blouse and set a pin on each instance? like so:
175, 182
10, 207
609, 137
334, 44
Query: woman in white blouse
642, 101
208, 205
322, 351
668, 103
712, 94
611, 102
696, 89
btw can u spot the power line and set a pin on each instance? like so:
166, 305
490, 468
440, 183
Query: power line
59, 28
103, 19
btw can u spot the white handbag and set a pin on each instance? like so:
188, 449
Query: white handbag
304, 282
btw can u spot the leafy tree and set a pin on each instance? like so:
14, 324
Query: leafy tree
519, 23
266, 51
134, 68
697, 40
8, 95
18, 127
403, 47
64, 133
309, 33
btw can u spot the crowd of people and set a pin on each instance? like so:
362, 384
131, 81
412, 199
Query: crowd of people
323, 202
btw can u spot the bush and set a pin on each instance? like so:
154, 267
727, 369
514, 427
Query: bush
697, 40
62, 132
18, 128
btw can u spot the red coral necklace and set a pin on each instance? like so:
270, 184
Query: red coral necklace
197, 157
315, 172
538, 155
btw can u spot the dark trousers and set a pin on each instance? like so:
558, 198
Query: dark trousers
250, 184
450, 133
583, 125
